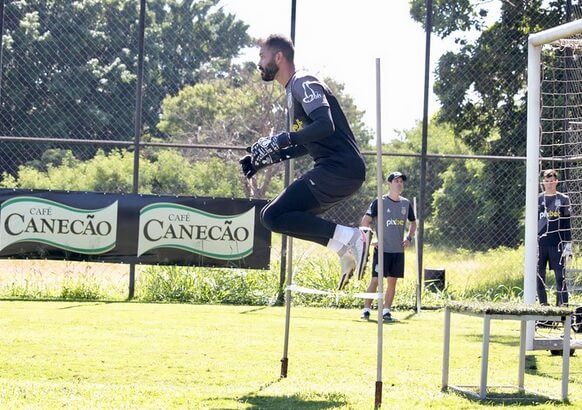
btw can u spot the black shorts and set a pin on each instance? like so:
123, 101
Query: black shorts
329, 188
393, 265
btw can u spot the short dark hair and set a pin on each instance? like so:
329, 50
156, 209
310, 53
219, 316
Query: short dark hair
550, 173
282, 43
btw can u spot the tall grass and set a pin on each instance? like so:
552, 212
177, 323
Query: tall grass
199, 285
494, 275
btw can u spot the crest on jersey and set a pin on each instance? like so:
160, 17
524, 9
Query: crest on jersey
310, 94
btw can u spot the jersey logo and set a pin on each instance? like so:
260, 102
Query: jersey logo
297, 125
550, 214
310, 94
396, 222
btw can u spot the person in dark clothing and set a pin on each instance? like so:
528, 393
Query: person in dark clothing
317, 127
554, 237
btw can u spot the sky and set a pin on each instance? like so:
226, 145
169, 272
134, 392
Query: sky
343, 39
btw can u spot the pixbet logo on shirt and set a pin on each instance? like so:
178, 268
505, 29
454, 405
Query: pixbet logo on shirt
398, 222
550, 214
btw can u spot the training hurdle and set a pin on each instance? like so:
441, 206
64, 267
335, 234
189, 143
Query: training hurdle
505, 311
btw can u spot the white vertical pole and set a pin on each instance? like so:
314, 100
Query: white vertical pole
418, 265
485, 356
531, 187
446, 349
521, 371
380, 232
566, 357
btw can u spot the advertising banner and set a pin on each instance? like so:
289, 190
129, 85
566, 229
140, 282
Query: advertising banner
128, 228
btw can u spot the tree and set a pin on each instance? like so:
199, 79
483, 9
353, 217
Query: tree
168, 173
482, 89
442, 141
237, 109
70, 68
234, 110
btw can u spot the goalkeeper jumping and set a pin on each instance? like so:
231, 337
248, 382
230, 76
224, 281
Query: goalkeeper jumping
554, 237
318, 127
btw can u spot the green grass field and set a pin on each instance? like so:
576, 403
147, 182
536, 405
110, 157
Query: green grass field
95, 355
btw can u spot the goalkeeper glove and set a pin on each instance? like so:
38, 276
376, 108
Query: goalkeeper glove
567, 254
266, 150
247, 167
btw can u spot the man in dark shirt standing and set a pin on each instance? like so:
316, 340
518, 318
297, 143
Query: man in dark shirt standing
318, 127
554, 237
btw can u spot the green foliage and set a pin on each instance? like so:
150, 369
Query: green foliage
111, 172
96, 76
70, 67
459, 202
450, 16
237, 109
482, 89
442, 141
81, 289
494, 275
199, 285
167, 172
175, 175
29, 289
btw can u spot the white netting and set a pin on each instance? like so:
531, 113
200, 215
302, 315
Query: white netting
561, 132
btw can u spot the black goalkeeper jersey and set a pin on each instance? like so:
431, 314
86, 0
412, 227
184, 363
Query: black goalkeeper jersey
554, 219
337, 152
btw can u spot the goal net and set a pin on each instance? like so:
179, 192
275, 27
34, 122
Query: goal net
554, 141
560, 142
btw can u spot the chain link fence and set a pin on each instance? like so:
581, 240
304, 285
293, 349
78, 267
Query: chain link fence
68, 108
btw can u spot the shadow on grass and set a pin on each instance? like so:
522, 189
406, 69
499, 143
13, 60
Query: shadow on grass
392, 322
87, 304
253, 310
531, 367
291, 402
502, 399
257, 400
503, 340
395, 320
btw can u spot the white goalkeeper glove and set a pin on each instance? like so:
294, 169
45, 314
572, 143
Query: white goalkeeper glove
567, 254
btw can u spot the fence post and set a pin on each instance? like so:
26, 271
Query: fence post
423, 149
137, 124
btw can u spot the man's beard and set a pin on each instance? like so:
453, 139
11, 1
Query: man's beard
269, 72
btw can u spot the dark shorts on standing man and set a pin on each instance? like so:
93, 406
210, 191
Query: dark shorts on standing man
393, 265
329, 188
